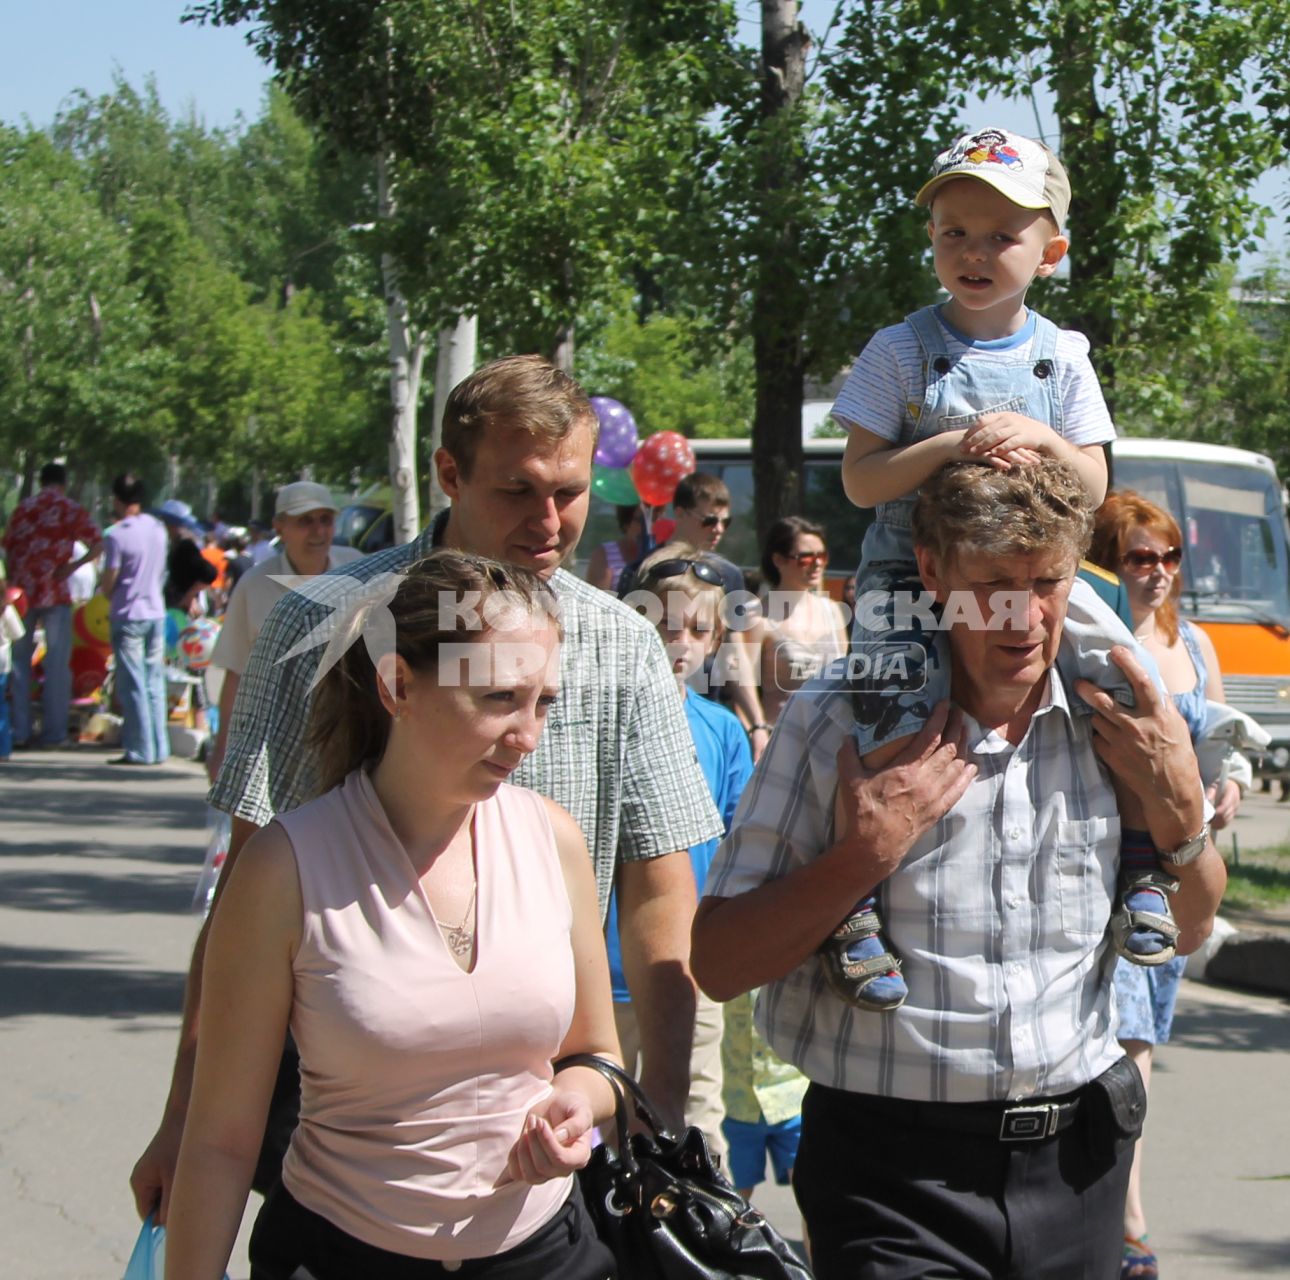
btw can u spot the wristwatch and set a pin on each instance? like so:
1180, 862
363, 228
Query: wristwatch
1188, 851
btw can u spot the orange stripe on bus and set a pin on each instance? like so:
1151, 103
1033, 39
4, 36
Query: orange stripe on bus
1247, 649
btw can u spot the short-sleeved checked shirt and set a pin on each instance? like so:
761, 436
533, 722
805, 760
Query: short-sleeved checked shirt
616, 751
39, 540
999, 914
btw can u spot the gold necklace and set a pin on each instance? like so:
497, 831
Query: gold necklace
459, 937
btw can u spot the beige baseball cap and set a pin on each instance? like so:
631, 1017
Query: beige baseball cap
303, 495
1025, 171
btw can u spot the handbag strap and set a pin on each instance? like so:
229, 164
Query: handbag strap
624, 1085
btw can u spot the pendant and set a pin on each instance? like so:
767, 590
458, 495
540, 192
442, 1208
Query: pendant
460, 940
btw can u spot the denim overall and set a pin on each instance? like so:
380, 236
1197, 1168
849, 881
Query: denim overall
895, 700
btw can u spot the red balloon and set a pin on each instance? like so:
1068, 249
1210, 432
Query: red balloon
659, 466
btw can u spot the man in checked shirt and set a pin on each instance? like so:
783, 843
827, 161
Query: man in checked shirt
985, 1128
518, 439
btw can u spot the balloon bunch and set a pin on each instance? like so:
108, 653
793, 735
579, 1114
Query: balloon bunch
625, 471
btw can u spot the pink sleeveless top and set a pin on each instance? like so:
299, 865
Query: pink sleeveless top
415, 1076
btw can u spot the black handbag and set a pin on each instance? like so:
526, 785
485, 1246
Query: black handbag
665, 1210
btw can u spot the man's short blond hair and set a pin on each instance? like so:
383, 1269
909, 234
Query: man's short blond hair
970, 506
516, 391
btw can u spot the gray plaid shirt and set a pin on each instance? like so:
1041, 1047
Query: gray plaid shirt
616, 751
999, 914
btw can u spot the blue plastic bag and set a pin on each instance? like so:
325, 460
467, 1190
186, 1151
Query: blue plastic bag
148, 1261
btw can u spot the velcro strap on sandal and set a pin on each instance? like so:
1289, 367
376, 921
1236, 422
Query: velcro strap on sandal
855, 969
863, 924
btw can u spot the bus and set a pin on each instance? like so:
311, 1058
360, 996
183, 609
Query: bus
1229, 503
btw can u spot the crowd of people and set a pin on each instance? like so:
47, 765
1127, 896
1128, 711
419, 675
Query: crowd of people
488, 814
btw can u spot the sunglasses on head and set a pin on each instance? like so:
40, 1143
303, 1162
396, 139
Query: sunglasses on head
1142, 561
712, 520
704, 570
807, 558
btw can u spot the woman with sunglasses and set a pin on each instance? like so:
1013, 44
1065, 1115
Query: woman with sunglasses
800, 629
1143, 544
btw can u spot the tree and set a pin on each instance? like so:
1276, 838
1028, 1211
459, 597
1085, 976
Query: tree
524, 161
669, 370
76, 375
221, 236
805, 242
1164, 134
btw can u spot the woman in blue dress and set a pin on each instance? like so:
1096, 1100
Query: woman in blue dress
1143, 544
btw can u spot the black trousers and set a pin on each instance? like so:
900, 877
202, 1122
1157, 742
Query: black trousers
290, 1242
891, 1190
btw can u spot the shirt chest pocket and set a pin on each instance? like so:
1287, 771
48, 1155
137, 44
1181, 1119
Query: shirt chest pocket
1086, 858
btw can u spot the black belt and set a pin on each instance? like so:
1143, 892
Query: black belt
1019, 1122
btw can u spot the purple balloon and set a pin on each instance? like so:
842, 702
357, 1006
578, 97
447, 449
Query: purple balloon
617, 444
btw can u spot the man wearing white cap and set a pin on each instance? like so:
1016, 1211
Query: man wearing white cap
304, 519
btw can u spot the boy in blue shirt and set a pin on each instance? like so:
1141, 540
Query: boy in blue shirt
681, 590
981, 377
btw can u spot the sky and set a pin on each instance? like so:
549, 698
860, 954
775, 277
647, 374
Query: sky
53, 47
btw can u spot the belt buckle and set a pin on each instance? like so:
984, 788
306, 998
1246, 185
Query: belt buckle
1029, 1124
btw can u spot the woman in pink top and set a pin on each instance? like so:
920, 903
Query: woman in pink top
431, 936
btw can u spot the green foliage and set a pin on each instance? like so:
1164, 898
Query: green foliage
173, 292
157, 309
75, 370
669, 372
532, 155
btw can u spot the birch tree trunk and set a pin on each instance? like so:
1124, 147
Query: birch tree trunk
455, 361
406, 352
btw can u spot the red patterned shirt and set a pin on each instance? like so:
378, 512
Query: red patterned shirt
39, 539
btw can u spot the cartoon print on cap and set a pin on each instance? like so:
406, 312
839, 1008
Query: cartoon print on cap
988, 147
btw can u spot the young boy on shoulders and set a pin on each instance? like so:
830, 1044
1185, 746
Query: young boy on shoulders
979, 376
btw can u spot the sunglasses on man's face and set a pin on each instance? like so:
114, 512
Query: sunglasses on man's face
712, 521
1142, 561
704, 570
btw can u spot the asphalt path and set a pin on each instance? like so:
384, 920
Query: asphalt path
97, 870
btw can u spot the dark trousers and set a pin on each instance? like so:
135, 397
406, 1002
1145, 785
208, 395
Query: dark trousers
891, 1190
290, 1242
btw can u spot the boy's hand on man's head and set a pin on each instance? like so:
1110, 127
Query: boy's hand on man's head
1010, 439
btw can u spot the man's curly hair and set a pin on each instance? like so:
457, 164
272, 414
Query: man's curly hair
970, 506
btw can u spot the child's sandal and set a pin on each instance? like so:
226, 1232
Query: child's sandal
870, 981
1136, 923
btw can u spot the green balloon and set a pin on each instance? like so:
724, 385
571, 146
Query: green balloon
614, 484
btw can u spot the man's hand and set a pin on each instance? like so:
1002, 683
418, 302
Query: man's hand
759, 936
887, 809
1005, 440
1148, 748
1225, 804
154, 1174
